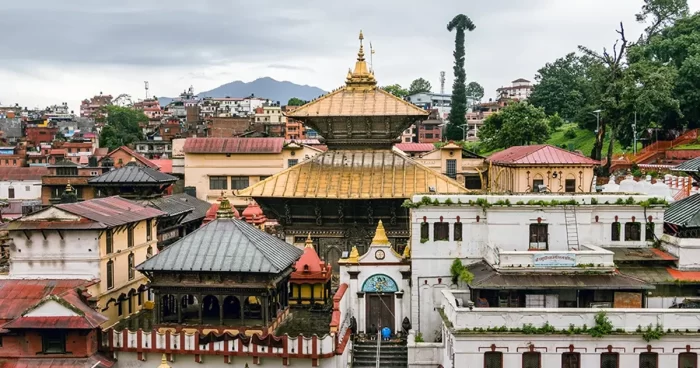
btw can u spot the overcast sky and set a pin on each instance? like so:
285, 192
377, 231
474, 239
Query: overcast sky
55, 51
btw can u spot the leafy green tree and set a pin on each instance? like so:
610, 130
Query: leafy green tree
555, 122
458, 111
517, 124
122, 127
396, 90
661, 14
475, 90
419, 85
295, 102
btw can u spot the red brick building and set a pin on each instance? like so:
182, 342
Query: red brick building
48, 323
123, 155
227, 127
170, 129
37, 134
13, 156
430, 130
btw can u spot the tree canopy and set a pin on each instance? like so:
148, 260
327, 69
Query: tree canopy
475, 90
419, 85
295, 102
458, 103
122, 127
517, 124
396, 90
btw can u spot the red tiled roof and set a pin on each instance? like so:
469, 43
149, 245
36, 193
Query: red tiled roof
76, 323
22, 173
57, 151
135, 155
16, 296
111, 211
541, 154
234, 145
415, 147
102, 151
77, 145
58, 362
166, 166
684, 275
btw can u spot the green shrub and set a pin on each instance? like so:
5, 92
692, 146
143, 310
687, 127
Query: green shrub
570, 133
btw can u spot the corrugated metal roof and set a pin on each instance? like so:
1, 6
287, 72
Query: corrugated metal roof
140, 158
111, 211
171, 206
75, 323
542, 154
352, 102
689, 166
354, 174
225, 245
199, 207
133, 175
485, 277
234, 145
165, 165
22, 173
685, 212
16, 296
415, 147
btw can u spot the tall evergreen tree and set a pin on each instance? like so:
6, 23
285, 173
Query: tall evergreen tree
458, 110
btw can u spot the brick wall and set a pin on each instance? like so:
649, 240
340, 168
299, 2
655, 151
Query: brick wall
28, 344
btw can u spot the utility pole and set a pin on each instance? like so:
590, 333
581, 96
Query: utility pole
597, 114
146, 85
442, 83
634, 134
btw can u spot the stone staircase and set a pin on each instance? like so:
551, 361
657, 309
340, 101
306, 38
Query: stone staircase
392, 354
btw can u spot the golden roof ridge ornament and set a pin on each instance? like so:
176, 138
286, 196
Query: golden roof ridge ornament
224, 211
164, 362
309, 242
380, 237
361, 78
354, 256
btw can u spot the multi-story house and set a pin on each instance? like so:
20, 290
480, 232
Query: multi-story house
123, 155
100, 239
451, 160
520, 89
15, 156
40, 132
94, 107
270, 116
430, 130
213, 165
65, 172
20, 189
77, 152
154, 149
151, 108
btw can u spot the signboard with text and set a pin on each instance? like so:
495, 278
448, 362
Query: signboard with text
554, 260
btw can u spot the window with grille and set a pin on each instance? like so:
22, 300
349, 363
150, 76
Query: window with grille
149, 230
130, 237
633, 231
458, 231
10, 192
532, 359
536, 184
441, 231
53, 342
217, 182
570, 185
131, 266
292, 162
649, 231
110, 275
239, 182
609, 360
472, 182
109, 239
538, 237
424, 231
688, 360
452, 169
493, 359
571, 360
615, 231
649, 360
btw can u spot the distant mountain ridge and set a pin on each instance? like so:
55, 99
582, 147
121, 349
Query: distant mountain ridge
265, 87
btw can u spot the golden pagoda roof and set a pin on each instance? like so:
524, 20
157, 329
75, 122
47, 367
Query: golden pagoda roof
354, 174
359, 97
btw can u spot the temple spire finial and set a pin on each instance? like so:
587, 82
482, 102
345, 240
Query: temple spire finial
309, 242
225, 211
361, 78
164, 362
380, 237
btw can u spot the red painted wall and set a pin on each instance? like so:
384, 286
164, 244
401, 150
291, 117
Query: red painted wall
27, 344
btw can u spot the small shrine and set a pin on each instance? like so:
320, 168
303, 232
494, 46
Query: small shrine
226, 274
311, 280
376, 283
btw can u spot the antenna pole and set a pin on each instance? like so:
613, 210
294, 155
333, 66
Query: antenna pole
146, 85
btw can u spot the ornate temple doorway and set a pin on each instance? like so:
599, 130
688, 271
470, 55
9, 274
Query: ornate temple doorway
380, 300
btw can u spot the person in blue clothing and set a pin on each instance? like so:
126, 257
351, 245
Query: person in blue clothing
386, 333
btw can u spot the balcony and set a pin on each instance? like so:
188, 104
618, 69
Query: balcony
622, 319
586, 258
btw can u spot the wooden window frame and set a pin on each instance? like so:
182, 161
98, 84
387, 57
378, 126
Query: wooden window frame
646, 353
110, 275
444, 226
238, 180
131, 264
615, 354
629, 231
149, 230
615, 231
495, 353
649, 235
457, 234
566, 185
424, 230
571, 353
534, 353
537, 237
56, 337
218, 180
695, 355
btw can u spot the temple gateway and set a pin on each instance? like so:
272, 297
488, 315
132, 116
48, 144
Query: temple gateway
338, 197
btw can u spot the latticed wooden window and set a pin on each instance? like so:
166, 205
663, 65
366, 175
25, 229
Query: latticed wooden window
633, 231
424, 231
458, 231
610, 360
688, 360
649, 231
441, 231
493, 359
532, 359
649, 360
571, 360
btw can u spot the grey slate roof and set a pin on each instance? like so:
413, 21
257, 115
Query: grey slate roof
689, 166
169, 205
133, 174
685, 212
225, 245
199, 206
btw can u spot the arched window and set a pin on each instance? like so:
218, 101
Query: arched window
149, 252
